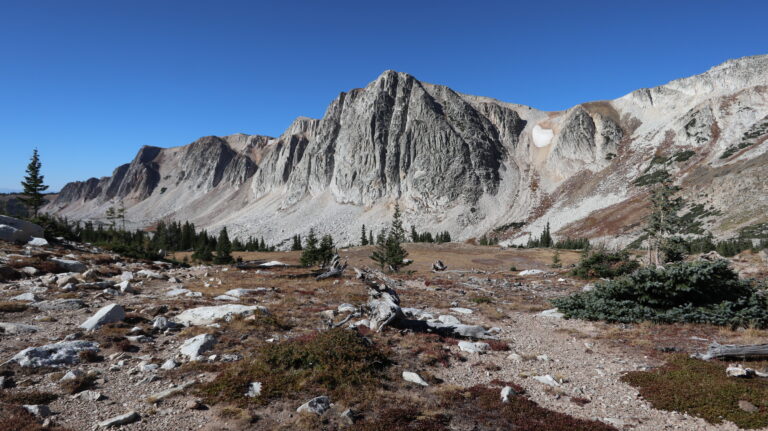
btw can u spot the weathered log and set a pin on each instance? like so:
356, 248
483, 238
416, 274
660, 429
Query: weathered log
383, 309
733, 351
439, 266
334, 269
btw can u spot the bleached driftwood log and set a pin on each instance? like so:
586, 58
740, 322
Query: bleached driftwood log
334, 269
732, 351
439, 266
383, 309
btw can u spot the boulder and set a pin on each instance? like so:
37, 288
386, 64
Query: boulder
479, 347
54, 355
254, 390
60, 305
210, 314
38, 410
547, 380
25, 297
194, 346
449, 320
70, 265
126, 276
318, 405
412, 377
531, 272
38, 242
151, 274
16, 328
108, 314
553, 313
20, 231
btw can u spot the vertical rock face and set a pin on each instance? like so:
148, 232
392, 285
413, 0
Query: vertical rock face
455, 162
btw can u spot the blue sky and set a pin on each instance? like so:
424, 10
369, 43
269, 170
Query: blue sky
89, 82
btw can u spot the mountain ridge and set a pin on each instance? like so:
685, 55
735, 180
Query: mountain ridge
463, 163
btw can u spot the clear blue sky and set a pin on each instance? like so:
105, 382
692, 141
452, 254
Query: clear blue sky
89, 82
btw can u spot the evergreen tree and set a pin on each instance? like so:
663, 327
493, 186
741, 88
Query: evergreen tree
389, 250
370, 237
33, 186
556, 262
363, 237
310, 252
296, 245
664, 226
223, 248
326, 250
414, 235
397, 224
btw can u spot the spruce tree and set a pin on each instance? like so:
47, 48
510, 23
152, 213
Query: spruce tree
664, 226
389, 250
414, 234
310, 252
296, 245
223, 248
397, 224
370, 237
33, 186
326, 250
363, 237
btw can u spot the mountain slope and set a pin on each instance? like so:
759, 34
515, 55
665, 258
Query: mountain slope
465, 164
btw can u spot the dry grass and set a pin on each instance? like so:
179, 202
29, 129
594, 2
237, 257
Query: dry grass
12, 307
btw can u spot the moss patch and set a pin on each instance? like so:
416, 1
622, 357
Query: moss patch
701, 388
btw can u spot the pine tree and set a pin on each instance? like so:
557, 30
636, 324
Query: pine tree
363, 237
33, 186
110, 215
223, 248
414, 235
370, 237
310, 252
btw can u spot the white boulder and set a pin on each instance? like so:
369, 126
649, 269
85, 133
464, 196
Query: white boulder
108, 314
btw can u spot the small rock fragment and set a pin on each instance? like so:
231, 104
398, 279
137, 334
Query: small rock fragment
123, 419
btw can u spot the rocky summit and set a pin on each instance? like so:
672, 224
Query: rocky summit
465, 164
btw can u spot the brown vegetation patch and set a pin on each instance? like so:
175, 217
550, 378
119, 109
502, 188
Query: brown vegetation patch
702, 389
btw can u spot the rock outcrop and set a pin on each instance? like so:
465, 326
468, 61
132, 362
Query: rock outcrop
466, 164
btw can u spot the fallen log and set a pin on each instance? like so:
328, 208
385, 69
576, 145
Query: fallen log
383, 309
439, 266
733, 351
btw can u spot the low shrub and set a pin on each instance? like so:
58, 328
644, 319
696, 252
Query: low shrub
604, 264
16, 418
78, 384
480, 408
693, 292
12, 307
337, 362
33, 397
702, 389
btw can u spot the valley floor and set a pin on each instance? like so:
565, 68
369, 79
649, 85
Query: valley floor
479, 287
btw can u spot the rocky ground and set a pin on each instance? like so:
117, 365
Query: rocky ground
128, 344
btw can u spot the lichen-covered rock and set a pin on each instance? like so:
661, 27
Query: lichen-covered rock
210, 314
54, 355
